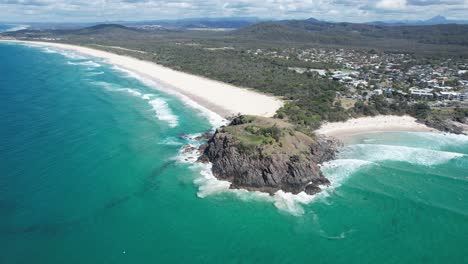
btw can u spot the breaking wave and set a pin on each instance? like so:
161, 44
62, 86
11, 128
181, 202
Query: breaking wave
86, 63
439, 140
66, 53
163, 112
338, 171
95, 73
214, 119
160, 107
376, 153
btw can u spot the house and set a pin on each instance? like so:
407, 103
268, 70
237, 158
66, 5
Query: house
449, 95
425, 93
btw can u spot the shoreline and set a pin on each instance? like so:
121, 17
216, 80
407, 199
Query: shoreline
218, 97
364, 125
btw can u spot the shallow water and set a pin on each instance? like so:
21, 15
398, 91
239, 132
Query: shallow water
92, 173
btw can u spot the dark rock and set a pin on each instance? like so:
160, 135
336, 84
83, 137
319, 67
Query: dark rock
205, 136
445, 126
268, 172
312, 189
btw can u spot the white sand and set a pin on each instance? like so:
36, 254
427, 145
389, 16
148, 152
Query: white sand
221, 98
362, 125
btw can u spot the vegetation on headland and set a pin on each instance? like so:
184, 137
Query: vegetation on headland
267, 134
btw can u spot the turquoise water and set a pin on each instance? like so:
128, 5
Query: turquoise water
91, 172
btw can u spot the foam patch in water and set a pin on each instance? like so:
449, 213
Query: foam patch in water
163, 112
337, 171
85, 63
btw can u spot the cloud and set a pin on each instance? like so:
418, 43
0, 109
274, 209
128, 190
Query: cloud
338, 10
435, 2
392, 4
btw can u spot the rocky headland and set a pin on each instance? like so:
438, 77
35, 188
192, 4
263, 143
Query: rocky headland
264, 154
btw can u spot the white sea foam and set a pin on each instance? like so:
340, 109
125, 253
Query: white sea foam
439, 140
214, 119
209, 184
131, 92
163, 112
375, 153
338, 171
147, 96
85, 63
171, 141
66, 53
161, 108
49, 50
95, 73
292, 202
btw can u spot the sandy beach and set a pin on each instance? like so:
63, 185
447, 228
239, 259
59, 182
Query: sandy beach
221, 98
343, 130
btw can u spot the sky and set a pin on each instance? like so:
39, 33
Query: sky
137, 10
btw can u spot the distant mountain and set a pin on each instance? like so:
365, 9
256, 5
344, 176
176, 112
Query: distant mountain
192, 23
437, 20
314, 20
315, 31
104, 29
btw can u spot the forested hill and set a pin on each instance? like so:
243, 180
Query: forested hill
312, 30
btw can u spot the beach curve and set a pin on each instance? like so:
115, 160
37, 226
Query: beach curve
381, 123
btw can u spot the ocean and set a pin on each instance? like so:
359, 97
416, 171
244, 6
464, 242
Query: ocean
92, 172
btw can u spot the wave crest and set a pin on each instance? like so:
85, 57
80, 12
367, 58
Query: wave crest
85, 63
375, 153
214, 119
163, 112
337, 171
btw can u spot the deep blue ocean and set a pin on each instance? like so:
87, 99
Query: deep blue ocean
91, 171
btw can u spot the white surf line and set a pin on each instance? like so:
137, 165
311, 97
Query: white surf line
159, 105
421, 156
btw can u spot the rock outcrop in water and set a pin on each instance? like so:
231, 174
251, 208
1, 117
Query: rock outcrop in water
268, 155
448, 125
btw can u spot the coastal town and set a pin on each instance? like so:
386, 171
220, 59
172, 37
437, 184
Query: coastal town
364, 73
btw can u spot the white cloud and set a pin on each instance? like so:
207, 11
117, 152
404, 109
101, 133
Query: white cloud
338, 10
392, 4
